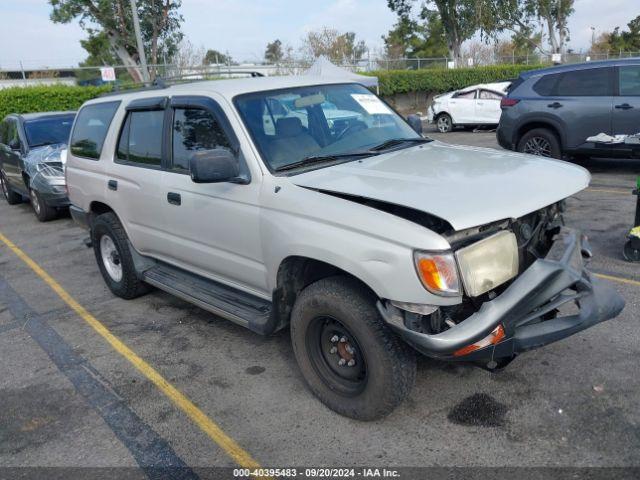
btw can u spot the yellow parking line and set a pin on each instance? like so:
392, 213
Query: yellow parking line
618, 279
228, 444
605, 190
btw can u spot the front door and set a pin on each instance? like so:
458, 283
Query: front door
462, 107
215, 227
12, 156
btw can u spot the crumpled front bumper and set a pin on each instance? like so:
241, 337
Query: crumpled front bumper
52, 189
549, 283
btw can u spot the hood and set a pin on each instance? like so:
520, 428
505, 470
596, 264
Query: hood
47, 154
466, 186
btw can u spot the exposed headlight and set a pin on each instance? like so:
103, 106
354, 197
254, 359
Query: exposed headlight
50, 170
488, 263
438, 272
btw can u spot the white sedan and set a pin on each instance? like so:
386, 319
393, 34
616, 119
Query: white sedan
471, 106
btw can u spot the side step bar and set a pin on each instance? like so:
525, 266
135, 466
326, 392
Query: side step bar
240, 307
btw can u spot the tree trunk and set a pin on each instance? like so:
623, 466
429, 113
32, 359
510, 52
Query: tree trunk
127, 60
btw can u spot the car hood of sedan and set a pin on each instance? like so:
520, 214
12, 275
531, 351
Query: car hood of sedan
466, 186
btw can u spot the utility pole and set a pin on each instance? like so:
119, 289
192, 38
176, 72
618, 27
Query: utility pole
136, 28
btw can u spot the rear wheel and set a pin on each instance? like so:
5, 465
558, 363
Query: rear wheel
444, 123
9, 195
113, 255
349, 358
541, 142
43, 211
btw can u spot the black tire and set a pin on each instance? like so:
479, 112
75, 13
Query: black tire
128, 285
384, 367
444, 123
9, 195
43, 211
541, 142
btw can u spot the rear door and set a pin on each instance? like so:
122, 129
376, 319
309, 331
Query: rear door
581, 101
462, 107
488, 107
626, 108
12, 155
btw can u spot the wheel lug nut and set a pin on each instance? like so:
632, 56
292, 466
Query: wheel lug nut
334, 339
351, 363
333, 350
343, 339
342, 362
349, 349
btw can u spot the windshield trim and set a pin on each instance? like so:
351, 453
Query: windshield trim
261, 155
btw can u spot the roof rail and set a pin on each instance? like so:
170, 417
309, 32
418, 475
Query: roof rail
160, 83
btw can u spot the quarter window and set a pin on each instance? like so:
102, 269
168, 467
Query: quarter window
630, 80
193, 130
141, 138
91, 128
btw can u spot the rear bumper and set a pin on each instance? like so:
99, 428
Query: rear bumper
504, 139
556, 280
79, 216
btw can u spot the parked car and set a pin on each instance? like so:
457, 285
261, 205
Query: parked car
32, 157
552, 112
369, 243
477, 105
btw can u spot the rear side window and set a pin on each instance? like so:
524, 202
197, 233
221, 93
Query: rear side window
141, 138
592, 82
488, 95
630, 81
193, 130
91, 128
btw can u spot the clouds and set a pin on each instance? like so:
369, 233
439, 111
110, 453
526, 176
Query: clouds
244, 27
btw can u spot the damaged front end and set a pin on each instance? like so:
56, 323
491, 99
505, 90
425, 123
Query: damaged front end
45, 170
552, 297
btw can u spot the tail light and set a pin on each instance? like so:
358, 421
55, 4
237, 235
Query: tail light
508, 102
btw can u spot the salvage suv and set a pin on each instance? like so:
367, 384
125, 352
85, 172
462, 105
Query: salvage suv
367, 240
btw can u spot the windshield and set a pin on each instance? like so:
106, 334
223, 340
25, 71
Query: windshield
49, 130
295, 124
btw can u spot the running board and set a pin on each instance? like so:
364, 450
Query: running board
240, 307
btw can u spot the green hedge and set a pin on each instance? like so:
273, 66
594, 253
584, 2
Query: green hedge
46, 98
445, 80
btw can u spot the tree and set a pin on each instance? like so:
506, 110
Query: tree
410, 38
338, 47
214, 57
111, 21
459, 20
273, 52
626, 41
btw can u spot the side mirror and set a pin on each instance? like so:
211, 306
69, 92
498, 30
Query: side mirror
415, 122
15, 144
214, 166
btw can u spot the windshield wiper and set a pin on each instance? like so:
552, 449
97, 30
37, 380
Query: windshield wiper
399, 141
323, 159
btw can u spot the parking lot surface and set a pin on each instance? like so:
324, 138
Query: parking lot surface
69, 398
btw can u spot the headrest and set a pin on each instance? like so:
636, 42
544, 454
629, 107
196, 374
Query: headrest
288, 127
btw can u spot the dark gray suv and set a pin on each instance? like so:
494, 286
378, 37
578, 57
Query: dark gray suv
551, 112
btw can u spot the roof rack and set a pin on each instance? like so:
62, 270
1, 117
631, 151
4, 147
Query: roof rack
160, 83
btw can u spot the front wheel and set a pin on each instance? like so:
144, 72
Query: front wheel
348, 356
43, 211
541, 142
444, 123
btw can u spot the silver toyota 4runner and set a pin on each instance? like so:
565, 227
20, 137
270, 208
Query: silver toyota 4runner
301, 202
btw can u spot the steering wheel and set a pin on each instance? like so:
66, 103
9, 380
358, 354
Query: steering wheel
351, 127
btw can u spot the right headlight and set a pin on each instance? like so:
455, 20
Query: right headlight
488, 263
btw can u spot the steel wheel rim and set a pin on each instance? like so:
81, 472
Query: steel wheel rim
331, 348
34, 201
538, 146
110, 258
443, 124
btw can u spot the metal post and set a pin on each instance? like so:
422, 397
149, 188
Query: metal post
24, 77
136, 28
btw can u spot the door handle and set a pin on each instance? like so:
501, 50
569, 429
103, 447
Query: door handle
174, 198
555, 105
624, 106
112, 184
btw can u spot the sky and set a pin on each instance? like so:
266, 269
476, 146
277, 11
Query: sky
244, 27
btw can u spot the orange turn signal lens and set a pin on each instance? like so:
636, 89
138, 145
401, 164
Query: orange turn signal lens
438, 272
496, 336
